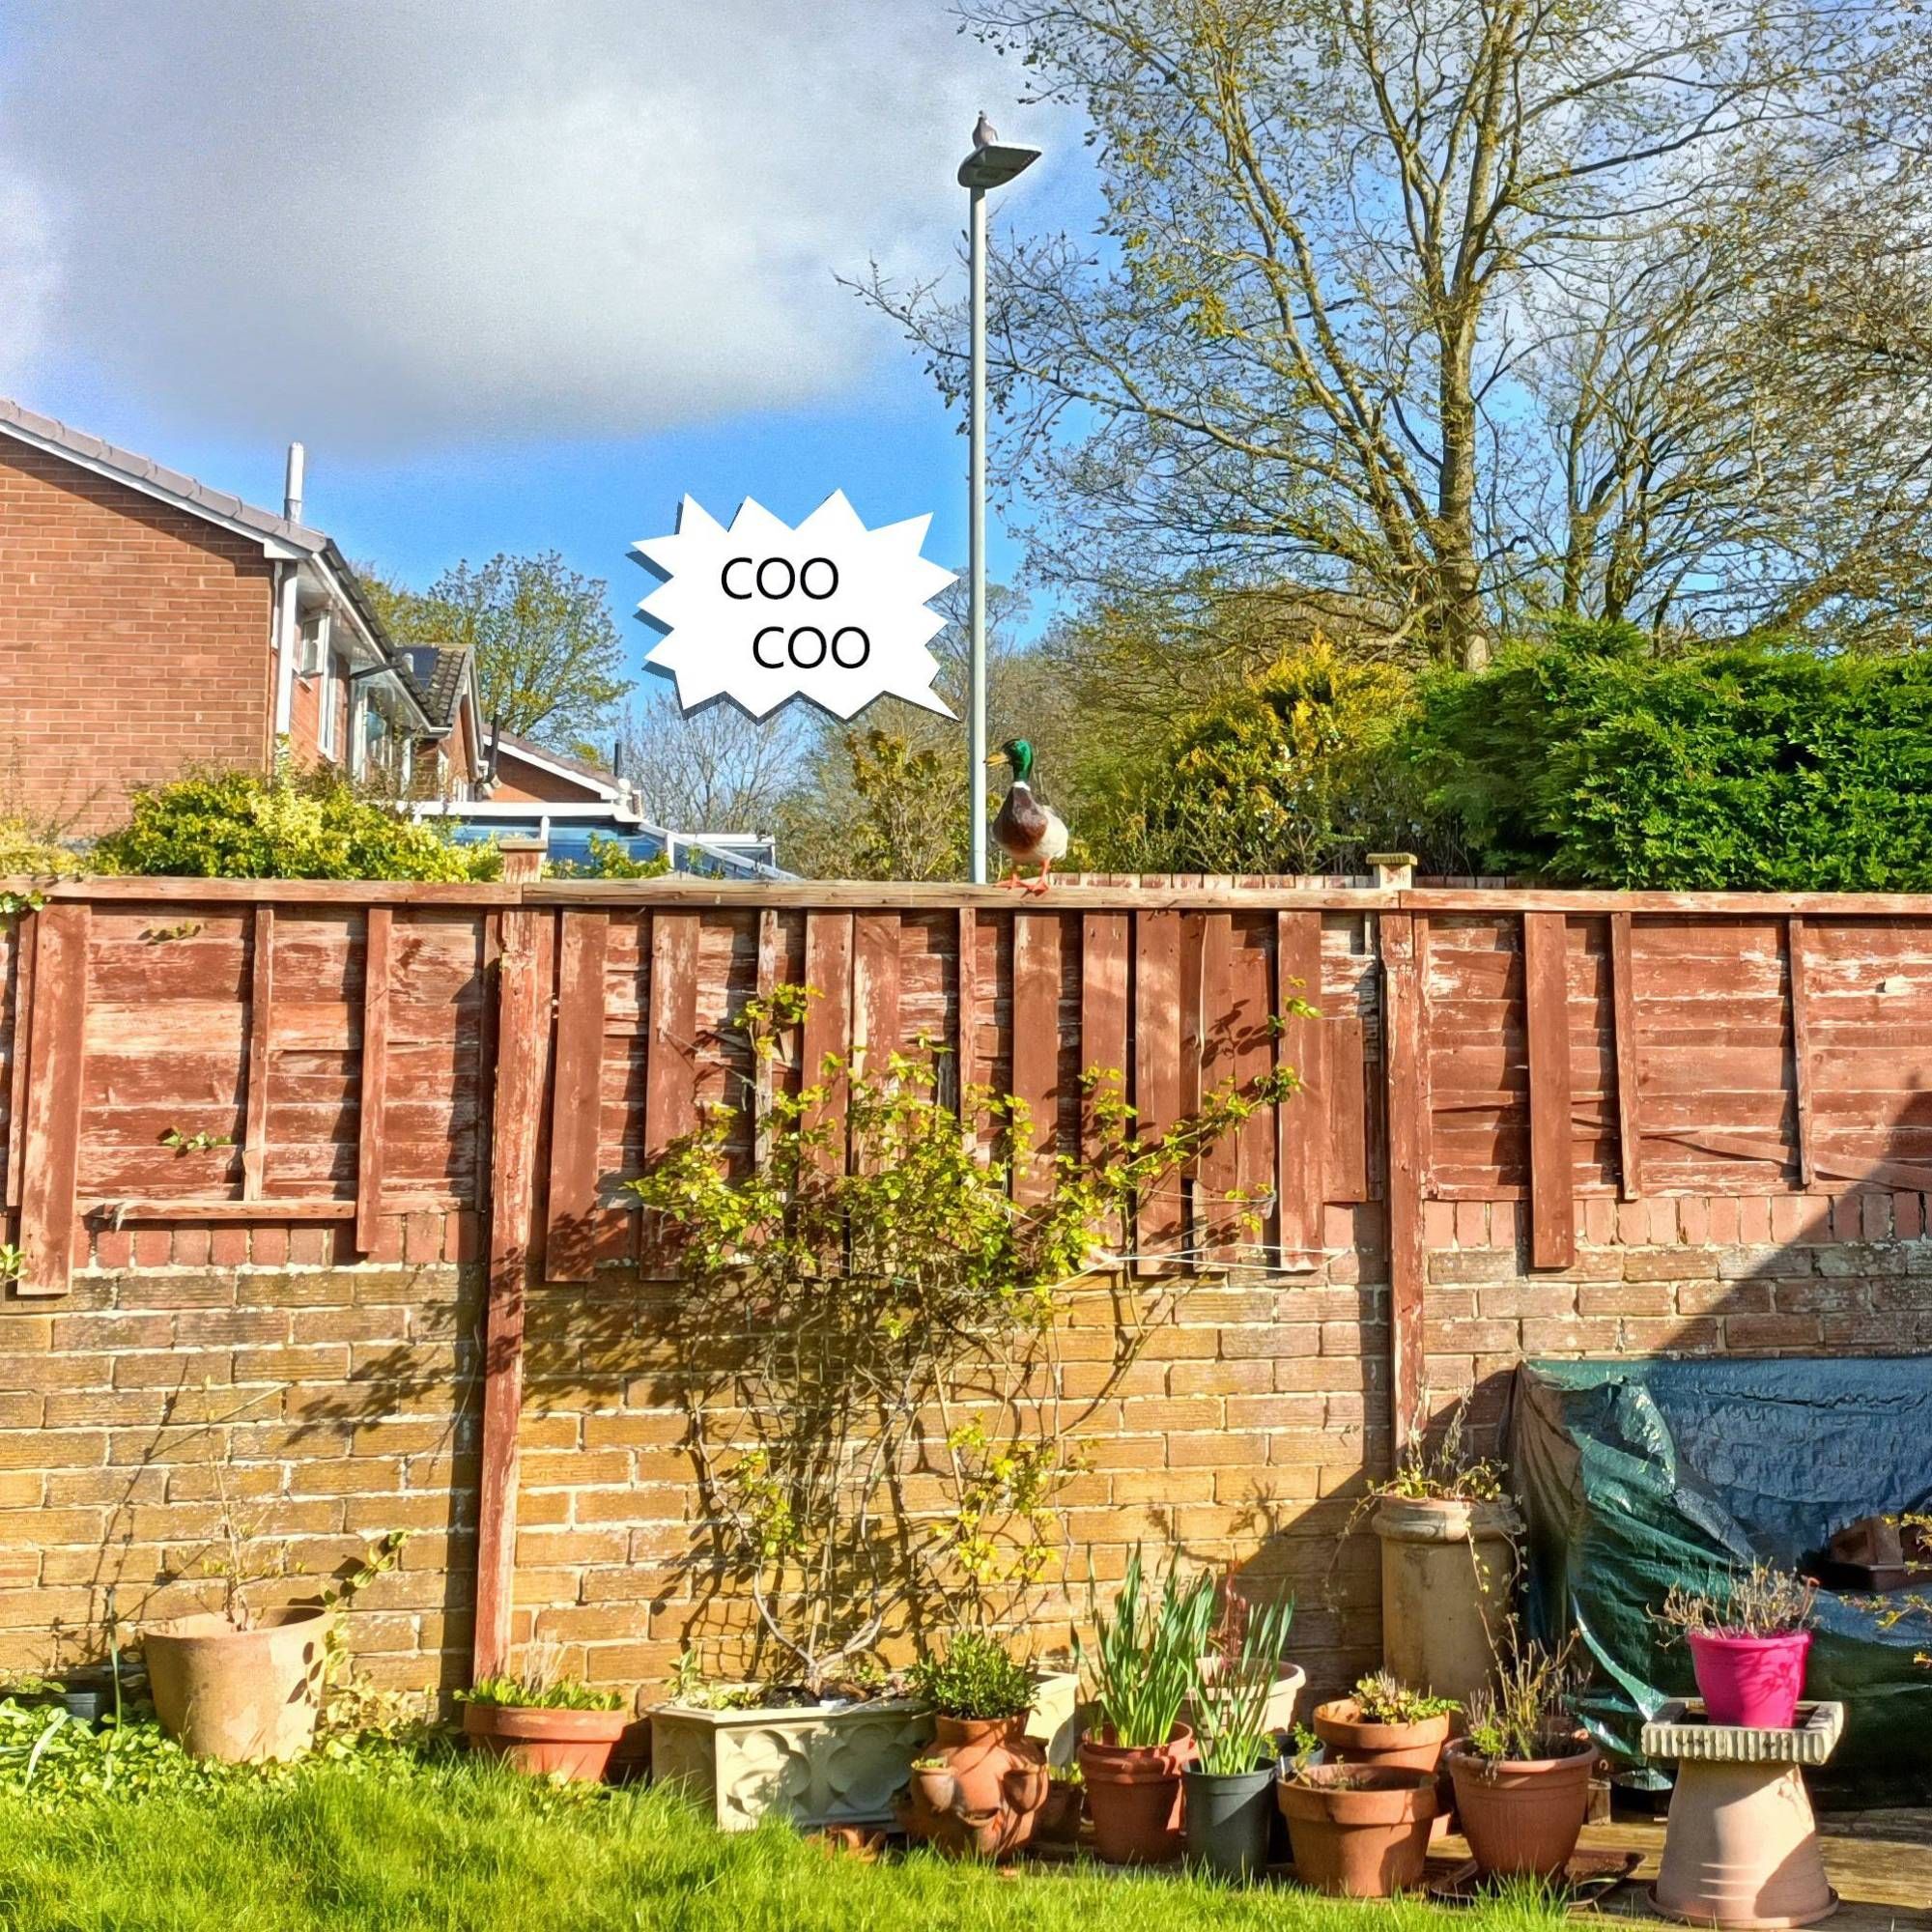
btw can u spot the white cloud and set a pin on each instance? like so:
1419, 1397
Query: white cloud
427, 223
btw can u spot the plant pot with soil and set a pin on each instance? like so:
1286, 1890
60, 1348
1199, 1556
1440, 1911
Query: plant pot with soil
542, 1723
1358, 1830
1522, 1773
978, 1789
1228, 1791
1142, 1666
1385, 1723
1749, 1640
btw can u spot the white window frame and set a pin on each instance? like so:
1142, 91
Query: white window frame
325, 732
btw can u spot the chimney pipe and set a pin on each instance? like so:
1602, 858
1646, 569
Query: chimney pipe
291, 490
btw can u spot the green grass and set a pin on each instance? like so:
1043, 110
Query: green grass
465, 1846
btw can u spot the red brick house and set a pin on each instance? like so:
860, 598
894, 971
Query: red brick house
149, 622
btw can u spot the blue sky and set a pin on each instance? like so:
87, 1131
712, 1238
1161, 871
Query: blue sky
518, 280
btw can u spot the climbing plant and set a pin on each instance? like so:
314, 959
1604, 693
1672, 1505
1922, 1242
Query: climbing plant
865, 1335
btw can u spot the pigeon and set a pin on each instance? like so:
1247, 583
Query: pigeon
984, 133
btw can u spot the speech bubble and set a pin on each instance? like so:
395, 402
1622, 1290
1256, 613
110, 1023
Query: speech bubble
760, 613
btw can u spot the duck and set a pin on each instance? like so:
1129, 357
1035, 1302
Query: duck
1028, 832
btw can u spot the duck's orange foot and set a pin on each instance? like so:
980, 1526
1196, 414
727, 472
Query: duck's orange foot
1014, 883
1035, 887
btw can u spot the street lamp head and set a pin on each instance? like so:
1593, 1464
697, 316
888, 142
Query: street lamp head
995, 165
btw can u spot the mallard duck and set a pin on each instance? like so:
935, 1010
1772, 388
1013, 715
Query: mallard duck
1030, 833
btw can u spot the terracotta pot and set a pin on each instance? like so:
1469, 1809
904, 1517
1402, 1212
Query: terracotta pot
978, 1791
1353, 1740
546, 1744
242, 1696
1522, 1817
1755, 1681
1059, 1820
1133, 1797
1359, 1830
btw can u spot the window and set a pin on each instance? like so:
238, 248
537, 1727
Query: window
327, 698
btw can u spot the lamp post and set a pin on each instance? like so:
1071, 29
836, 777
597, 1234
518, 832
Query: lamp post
991, 165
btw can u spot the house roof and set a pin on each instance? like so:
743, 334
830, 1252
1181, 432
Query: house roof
175, 486
156, 478
581, 769
437, 673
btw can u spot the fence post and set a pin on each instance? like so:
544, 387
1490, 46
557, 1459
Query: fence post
1407, 1103
525, 969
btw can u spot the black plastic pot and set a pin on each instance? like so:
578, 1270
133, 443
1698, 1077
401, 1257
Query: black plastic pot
1228, 1819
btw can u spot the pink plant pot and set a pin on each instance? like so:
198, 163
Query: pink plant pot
1752, 1681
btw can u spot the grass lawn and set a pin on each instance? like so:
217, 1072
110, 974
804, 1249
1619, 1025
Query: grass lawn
465, 1846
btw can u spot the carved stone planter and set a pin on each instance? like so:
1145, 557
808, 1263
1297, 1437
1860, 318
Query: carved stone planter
824, 1764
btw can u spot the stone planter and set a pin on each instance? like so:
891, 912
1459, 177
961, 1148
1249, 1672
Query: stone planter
1447, 1569
817, 1764
245, 1696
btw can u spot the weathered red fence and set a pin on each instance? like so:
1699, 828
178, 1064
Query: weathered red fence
387, 1070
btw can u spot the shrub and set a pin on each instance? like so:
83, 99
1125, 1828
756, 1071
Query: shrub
1586, 758
976, 1677
1382, 1698
528, 1693
608, 857
1295, 773
314, 824
1761, 1601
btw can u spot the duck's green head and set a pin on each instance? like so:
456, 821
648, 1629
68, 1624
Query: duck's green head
1019, 754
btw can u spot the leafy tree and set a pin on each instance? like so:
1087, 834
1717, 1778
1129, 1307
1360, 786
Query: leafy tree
549, 660
1456, 306
1587, 758
889, 798
314, 824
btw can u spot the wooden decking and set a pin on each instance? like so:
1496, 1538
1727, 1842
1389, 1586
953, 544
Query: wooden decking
1880, 1864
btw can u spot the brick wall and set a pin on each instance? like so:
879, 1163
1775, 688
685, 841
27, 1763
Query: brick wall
1805, 1275
340, 1402
133, 638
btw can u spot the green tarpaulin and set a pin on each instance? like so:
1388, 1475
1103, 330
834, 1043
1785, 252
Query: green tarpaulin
1635, 1475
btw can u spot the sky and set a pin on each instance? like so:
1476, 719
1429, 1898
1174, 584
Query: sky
519, 276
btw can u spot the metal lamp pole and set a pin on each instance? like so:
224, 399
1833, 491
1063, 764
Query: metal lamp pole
990, 165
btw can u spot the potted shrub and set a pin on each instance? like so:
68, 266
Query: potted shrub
979, 1788
1523, 1771
543, 1722
1750, 1641
1356, 1831
1449, 1556
871, 1269
1385, 1723
1144, 1662
1229, 1790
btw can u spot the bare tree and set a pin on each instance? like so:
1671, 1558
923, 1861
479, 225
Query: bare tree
1341, 262
719, 771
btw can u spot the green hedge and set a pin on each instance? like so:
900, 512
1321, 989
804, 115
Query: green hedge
1585, 759
218, 824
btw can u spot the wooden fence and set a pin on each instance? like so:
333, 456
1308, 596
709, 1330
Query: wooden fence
237, 1054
